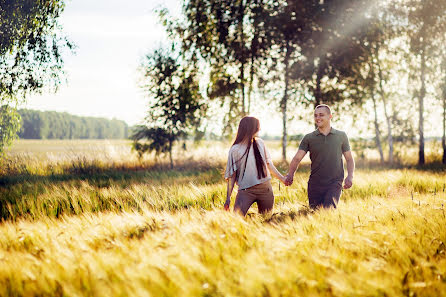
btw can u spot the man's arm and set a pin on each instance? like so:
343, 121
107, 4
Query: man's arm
293, 166
348, 182
229, 188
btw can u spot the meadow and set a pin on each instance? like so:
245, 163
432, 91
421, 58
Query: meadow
88, 218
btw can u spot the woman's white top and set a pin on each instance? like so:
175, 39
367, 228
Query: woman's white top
235, 161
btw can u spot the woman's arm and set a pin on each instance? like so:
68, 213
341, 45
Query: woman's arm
269, 163
229, 188
275, 172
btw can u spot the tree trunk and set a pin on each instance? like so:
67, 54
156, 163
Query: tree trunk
251, 81
422, 93
170, 154
253, 54
444, 124
242, 84
377, 132
318, 93
242, 66
283, 103
386, 112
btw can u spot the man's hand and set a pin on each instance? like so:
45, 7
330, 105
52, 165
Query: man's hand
293, 166
227, 203
348, 182
288, 180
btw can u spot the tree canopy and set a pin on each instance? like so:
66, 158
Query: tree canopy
175, 103
31, 53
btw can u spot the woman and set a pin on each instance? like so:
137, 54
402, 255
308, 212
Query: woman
249, 165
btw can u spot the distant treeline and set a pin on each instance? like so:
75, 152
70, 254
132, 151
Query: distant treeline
61, 125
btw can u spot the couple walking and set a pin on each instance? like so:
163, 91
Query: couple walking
250, 165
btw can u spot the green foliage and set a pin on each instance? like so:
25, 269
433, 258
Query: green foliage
231, 37
146, 140
175, 103
56, 125
31, 48
9, 125
331, 39
426, 31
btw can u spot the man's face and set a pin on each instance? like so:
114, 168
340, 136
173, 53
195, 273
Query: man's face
322, 117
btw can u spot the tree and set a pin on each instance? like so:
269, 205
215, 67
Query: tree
30, 54
146, 140
384, 29
9, 125
381, 78
376, 122
320, 43
175, 103
443, 99
426, 21
367, 75
230, 37
283, 27
331, 44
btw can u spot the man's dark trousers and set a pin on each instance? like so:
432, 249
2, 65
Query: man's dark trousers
324, 195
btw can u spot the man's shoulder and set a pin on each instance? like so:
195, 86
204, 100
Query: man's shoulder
311, 134
339, 132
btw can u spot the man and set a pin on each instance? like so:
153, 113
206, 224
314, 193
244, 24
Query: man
326, 146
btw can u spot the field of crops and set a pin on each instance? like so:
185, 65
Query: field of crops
87, 218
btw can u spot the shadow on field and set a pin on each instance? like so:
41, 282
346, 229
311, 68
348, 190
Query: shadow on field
97, 189
283, 216
90, 186
102, 176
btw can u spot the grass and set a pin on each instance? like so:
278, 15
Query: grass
127, 228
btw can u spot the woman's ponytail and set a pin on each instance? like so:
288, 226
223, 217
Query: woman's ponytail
259, 161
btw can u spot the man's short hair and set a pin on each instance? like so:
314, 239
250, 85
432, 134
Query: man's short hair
324, 105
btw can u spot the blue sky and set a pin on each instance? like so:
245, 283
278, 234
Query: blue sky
111, 37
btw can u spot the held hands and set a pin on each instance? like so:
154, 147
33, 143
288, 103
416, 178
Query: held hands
227, 203
348, 182
288, 180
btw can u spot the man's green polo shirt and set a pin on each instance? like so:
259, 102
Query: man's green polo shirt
326, 155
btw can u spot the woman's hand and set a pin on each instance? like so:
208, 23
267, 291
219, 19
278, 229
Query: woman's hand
229, 189
289, 179
227, 203
281, 178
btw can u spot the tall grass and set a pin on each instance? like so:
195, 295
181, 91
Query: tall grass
118, 230
373, 247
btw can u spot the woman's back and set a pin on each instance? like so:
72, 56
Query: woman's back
246, 163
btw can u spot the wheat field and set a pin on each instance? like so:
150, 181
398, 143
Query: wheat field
90, 219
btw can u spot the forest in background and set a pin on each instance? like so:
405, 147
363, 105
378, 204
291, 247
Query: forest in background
61, 125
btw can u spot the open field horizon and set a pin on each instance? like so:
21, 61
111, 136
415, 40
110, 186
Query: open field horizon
91, 219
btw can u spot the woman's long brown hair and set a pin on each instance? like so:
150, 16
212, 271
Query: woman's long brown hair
247, 127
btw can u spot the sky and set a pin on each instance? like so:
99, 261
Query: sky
111, 37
